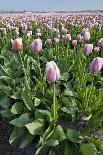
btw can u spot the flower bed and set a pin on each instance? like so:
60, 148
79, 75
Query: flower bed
51, 82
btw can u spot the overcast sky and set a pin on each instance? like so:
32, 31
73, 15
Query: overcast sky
50, 5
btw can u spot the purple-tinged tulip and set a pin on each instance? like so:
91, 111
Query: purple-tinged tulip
38, 30
52, 72
67, 37
64, 30
49, 42
74, 42
29, 34
37, 45
96, 49
58, 35
88, 49
96, 65
38, 34
56, 40
84, 30
100, 42
86, 36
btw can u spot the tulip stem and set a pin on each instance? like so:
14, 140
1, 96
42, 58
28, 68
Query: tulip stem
54, 105
23, 66
38, 59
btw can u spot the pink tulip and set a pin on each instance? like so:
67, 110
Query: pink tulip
100, 42
17, 44
74, 42
67, 37
37, 45
88, 49
38, 34
56, 40
86, 36
96, 64
52, 72
48, 42
96, 49
38, 30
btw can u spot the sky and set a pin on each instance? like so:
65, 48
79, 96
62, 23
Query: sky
50, 5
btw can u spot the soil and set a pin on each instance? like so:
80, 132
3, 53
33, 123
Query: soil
7, 149
6, 129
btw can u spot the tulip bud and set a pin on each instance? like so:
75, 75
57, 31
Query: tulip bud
96, 65
74, 42
67, 37
100, 42
52, 72
56, 40
88, 49
38, 34
37, 45
17, 44
48, 42
86, 36
96, 49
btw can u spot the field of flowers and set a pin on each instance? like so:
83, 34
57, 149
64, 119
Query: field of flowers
51, 81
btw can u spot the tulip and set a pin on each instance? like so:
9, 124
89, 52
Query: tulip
100, 42
74, 42
17, 44
96, 49
38, 34
38, 30
56, 40
49, 42
53, 75
96, 65
37, 45
84, 30
86, 36
88, 49
52, 72
67, 37
29, 34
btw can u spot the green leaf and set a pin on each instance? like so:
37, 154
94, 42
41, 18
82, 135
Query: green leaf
4, 71
16, 133
68, 92
47, 133
26, 139
66, 148
74, 136
37, 102
95, 120
64, 76
7, 79
22, 120
88, 149
43, 114
58, 134
16, 95
6, 113
17, 108
71, 111
52, 142
26, 95
4, 101
35, 127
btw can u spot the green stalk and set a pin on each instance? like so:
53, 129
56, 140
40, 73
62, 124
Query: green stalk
24, 70
54, 105
38, 60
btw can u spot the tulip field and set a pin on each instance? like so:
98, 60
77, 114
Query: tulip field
51, 81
